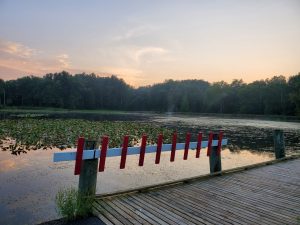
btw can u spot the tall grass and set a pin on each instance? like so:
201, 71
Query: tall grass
72, 204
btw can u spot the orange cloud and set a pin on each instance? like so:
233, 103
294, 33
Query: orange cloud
18, 60
16, 49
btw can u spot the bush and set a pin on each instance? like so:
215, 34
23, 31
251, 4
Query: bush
71, 204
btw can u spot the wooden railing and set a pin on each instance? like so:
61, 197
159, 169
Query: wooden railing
86, 156
104, 151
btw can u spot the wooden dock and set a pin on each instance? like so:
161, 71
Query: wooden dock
263, 195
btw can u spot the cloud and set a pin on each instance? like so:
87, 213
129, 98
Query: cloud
16, 60
16, 49
64, 60
132, 76
134, 33
148, 53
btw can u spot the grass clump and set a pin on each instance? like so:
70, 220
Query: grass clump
71, 204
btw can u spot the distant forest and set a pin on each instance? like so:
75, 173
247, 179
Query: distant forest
275, 96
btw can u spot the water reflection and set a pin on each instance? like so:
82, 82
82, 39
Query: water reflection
243, 133
7, 165
29, 183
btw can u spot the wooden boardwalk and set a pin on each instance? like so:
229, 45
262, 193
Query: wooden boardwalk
264, 195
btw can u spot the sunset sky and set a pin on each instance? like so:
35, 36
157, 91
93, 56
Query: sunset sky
146, 42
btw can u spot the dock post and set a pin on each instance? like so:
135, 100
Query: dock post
88, 173
279, 146
215, 163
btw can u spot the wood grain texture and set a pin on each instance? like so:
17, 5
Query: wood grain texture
264, 195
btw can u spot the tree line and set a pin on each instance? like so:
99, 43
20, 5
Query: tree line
275, 96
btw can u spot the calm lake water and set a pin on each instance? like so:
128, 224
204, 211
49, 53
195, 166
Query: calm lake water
29, 182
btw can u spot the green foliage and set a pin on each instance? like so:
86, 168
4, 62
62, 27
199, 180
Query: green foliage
71, 204
294, 87
87, 91
32, 134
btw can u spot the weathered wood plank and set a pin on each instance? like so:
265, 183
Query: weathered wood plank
210, 212
239, 208
155, 218
265, 195
191, 208
177, 211
133, 212
154, 210
236, 214
107, 214
134, 218
240, 201
165, 209
115, 212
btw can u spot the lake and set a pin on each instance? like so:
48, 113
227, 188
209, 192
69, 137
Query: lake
29, 182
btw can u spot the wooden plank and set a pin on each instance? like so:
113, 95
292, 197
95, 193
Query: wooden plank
123, 212
180, 209
233, 191
78, 161
199, 178
157, 212
273, 188
107, 214
192, 209
219, 205
143, 150
248, 205
135, 211
177, 212
165, 210
261, 182
115, 212
250, 197
136, 218
208, 212
124, 152
268, 189
237, 215
98, 213
145, 212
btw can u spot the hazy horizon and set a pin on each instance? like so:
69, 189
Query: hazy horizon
148, 42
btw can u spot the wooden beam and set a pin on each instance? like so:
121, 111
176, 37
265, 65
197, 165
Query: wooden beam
112, 152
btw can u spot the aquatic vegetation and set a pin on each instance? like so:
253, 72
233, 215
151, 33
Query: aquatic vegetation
22, 135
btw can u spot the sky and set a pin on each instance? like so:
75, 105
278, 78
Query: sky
146, 42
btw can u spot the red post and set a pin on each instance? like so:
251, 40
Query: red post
220, 143
158, 149
143, 150
187, 146
104, 147
124, 152
199, 143
173, 148
79, 154
210, 140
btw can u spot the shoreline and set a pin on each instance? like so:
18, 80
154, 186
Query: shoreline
45, 111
